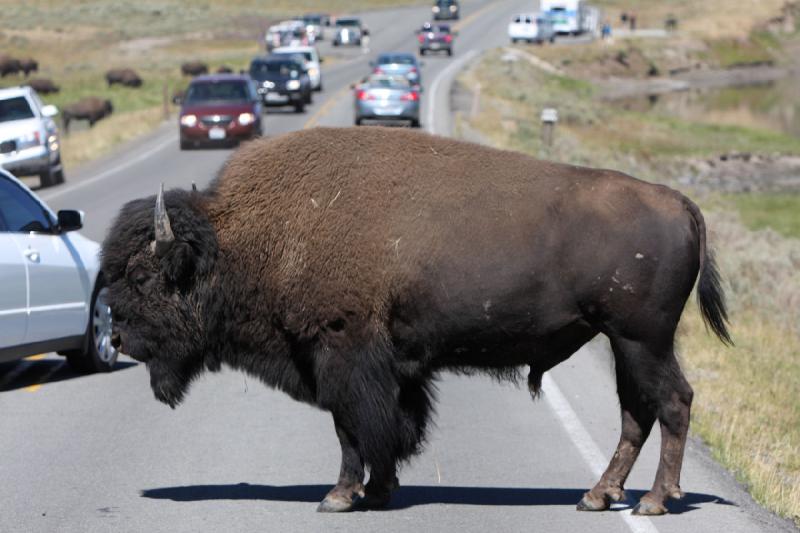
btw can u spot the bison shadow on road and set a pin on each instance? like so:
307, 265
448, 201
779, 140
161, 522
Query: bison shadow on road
26, 373
415, 495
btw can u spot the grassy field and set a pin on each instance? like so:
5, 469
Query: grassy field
75, 43
747, 401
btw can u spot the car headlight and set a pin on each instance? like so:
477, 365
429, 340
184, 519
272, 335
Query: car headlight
29, 140
435, 9
246, 118
268, 84
293, 85
312, 72
189, 121
453, 8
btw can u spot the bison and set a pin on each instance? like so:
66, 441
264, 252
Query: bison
28, 65
194, 68
9, 65
224, 69
124, 76
90, 108
43, 85
350, 267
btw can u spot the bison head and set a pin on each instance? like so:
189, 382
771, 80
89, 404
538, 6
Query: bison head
158, 261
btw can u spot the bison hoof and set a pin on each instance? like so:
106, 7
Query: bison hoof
589, 502
649, 508
335, 504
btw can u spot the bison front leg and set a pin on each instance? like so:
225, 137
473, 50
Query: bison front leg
351, 476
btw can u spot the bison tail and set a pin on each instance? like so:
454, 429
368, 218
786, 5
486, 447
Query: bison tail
710, 295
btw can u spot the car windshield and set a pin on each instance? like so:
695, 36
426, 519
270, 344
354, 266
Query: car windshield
305, 55
259, 69
16, 108
445, 3
393, 82
348, 22
388, 59
442, 29
229, 91
313, 20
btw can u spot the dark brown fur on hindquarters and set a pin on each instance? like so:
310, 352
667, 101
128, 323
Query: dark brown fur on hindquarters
330, 265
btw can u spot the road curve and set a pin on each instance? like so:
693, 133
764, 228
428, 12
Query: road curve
97, 453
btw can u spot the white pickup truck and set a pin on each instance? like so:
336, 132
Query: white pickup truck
531, 27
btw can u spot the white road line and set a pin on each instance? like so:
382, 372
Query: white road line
444, 74
587, 447
160, 145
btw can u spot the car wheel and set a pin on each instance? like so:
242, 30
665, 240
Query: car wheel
309, 98
185, 145
415, 123
319, 88
449, 51
335, 43
358, 122
48, 178
299, 108
99, 355
422, 51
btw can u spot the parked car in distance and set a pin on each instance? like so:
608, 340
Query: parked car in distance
349, 31
387, 98
531, 27
398, 63
29, 138
315, 26
219, 109
53, 297
311, 59
446, 9
281, 81
435, 38
286, 33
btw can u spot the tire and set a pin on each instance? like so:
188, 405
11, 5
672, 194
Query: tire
49, 177
186, 145
358, 122
415, 123
309, 98
299, 108
98, 332
449, 52
319, 89
422, 51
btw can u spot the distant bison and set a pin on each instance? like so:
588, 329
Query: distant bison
9, 65
43, 85
124, 76
90, 108
224, 69
28, 65
329, 264
178, 95
194, 68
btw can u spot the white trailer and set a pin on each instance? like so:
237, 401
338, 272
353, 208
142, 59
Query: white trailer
568, 16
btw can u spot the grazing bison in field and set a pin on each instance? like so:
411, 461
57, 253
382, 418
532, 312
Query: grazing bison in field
28, 65
224, 69
90, 108
43, 85
9, 65
194, 68
349, 267
124, 76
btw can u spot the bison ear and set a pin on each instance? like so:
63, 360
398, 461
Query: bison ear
179, 263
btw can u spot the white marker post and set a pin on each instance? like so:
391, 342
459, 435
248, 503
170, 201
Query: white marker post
549, 119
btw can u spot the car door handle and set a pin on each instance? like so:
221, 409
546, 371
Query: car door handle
32, 255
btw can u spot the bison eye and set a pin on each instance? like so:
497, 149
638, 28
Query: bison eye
141, 278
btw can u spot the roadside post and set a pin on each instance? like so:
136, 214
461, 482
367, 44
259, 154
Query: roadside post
166, 102
549, 119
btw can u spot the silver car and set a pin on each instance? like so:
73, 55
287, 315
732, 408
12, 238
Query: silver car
387, 98
349, 31
29, 139
398, 63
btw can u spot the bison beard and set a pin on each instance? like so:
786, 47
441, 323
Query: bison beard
331, 265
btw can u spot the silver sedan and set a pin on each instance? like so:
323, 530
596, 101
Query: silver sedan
384, 98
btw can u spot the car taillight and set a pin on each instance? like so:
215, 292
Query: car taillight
411, 96
413, 70
377, 70
421, 38
364, 95
448, 38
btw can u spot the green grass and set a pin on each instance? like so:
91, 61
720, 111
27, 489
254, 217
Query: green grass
780, 212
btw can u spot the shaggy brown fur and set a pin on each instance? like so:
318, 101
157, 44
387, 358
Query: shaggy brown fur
90, 108
194, 68
29, 65
124, 76
9, 65
347, 267
43, 85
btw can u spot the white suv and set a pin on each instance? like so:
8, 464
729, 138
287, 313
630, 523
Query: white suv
29, 141
311, 60
52, 297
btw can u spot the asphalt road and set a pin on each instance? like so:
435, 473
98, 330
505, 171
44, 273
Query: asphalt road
98, 453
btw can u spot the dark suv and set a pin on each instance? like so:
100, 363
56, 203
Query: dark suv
281, 80
219, 109
435, 38
446, 9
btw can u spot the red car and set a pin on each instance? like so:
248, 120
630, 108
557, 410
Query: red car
219, 109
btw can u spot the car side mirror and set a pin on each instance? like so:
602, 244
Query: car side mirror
365, 31
177, 100
49, 111
70, 220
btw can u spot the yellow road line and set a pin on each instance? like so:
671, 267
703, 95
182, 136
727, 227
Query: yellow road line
42, 380
325, 108
37, 357
33, 388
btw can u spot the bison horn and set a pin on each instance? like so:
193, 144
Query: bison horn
164, 235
